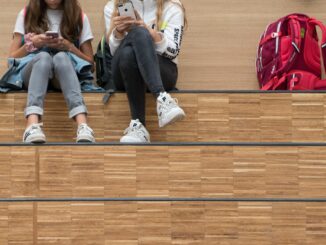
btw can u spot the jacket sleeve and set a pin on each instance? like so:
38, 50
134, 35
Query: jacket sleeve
112, 41
172, 31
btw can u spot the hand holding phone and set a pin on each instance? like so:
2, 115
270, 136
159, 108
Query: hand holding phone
52, 34
127, 9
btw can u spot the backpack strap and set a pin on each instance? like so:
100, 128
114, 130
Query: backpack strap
77, 41
25, 11
275, 83
293, 26
312, 23
320, 84
295, 30
24, 14
296, 80
303, 80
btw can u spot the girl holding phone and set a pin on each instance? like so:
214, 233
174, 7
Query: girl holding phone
145, 53
50, 56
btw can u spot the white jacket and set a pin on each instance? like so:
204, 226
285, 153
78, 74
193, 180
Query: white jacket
172, 25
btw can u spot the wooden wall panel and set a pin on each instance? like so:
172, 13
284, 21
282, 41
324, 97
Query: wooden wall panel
164, 171
54, 223
55, 181
20, 227
120, 169
219, 46
163, 223
24, 171
213, 117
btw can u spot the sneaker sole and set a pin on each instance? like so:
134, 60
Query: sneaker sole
175, 115
85, 140
36, 139
127, 139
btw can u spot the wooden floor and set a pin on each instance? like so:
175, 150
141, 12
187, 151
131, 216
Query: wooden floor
163, 223
213, 117
163, 171
219, 45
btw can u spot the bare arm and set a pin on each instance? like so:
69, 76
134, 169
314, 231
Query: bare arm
17, 50
85, 52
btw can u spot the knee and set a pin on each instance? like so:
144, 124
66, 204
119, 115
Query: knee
61, 60
44, 61
127, 59
140, 34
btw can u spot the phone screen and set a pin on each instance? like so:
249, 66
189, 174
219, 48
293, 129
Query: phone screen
52, 34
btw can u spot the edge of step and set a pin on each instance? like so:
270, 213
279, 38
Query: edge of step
162, 199
210, 92
245, 144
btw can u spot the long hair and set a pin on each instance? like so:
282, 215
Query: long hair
160, 5
71, 25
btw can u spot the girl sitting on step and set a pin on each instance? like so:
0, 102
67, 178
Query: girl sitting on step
54, 36
145, 49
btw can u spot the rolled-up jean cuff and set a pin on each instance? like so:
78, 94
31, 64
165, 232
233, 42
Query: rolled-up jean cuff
33, 110
77, 110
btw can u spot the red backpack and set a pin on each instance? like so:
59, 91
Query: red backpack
289, 55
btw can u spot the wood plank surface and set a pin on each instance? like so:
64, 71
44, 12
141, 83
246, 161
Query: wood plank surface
163, 171
215, 117
219, 46
218, 52
162, 223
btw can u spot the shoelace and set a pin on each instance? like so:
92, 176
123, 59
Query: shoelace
173, 102
84, 127
137, 131
132, 129
35, 126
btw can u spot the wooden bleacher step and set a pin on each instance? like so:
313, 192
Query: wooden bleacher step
148, 223
190, 171
211, 117
168, 171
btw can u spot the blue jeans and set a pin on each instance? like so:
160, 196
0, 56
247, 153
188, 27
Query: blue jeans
136, 67
42, 69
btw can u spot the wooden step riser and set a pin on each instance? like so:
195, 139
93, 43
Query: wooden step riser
163, 171
131, 223
210, 118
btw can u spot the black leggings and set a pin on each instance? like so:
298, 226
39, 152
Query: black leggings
136, 67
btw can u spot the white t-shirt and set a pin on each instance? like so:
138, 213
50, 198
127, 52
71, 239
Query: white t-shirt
55, 17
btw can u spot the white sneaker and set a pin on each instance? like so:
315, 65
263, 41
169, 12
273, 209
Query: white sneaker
135, 133
85, 134
34, 134
168, 110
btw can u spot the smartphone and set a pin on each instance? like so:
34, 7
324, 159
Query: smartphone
127, 9
52, 34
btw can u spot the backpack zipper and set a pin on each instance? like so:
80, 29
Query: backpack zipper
278, 38
261, 51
